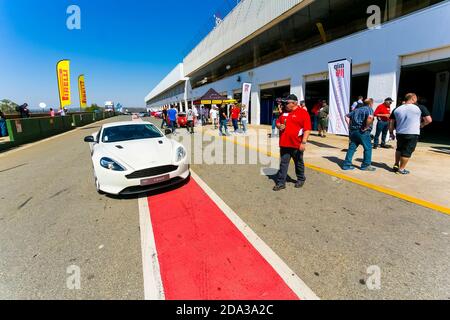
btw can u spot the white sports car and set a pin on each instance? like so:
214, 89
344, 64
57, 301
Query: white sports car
134, 157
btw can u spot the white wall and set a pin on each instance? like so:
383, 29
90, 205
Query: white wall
175, 77
383, 49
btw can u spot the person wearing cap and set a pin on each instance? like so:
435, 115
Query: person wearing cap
383, 114
295, 126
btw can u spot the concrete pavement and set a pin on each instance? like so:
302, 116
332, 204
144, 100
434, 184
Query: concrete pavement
329, 233
51, 218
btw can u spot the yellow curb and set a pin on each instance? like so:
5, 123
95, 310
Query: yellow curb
381, 189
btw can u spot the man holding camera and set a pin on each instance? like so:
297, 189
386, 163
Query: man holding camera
295, 126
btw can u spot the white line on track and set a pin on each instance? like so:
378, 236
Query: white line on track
153, 287
289, 277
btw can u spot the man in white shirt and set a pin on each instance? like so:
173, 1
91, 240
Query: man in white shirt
408, 120
214, 115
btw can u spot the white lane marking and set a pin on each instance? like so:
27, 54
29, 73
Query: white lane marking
289, 276
153, 287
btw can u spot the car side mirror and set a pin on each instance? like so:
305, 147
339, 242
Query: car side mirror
168, 131
89, 139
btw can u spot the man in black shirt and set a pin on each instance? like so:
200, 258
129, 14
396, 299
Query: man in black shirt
223, 116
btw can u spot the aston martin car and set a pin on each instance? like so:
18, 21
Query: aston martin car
135, 157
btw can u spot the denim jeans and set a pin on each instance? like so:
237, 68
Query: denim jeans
244, 122
382, 130
286, 155
358, 138
173, 127
274, 124
235, 124
315, 122
224, 125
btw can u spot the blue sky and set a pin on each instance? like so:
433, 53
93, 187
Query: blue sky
124, 48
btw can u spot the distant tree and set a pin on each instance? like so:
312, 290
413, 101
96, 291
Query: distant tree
7, 106
94, 107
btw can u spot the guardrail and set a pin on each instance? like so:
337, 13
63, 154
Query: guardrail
28, 130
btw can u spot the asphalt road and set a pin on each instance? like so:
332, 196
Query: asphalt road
329, 233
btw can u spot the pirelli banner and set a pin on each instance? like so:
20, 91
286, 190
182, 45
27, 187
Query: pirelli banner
82, 92
340, 87
63, 74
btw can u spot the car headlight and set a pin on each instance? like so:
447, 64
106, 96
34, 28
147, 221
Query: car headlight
180, 154
110, 164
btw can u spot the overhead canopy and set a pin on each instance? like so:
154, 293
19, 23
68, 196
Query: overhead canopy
213, 97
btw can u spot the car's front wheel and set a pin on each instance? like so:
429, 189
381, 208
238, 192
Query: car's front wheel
97, 187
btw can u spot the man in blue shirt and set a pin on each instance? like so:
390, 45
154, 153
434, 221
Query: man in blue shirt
360, 122
172, 115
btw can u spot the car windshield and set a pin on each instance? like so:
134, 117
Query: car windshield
130, 132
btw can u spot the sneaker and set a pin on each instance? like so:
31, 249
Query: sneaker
369, 169
279, 188
385, 146
403, 172
396, 169
348, 168
300, 184
375, 147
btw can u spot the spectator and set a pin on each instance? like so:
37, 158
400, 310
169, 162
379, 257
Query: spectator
295, 127
235, 115
315, 114
52, 113
223, 120
303, 105
358, 103
164, 118
24, 111
214, 116
172, 114
276, 112
62, 112
360, 122
383, 114
408, 120
3, 130
190, 120
323, 120
244, 118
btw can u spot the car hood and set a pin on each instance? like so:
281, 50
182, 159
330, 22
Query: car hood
142, 154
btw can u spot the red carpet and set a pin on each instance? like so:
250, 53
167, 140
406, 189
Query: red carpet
203, 256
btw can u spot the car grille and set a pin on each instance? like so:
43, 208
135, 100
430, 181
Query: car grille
151, 172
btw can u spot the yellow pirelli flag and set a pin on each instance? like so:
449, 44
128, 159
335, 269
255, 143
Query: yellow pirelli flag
82, 92
63, 74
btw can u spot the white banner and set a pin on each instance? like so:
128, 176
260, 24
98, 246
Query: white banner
340, 85
246, 92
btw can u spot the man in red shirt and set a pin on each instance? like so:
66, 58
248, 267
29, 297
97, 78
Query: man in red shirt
383, 113
295, 127
235, 114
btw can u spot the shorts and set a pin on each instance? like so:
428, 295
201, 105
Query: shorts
323, 122
406, 144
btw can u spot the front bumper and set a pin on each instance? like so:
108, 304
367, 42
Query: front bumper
116, 183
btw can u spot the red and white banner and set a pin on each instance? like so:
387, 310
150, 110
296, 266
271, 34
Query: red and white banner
340, 87
246, 92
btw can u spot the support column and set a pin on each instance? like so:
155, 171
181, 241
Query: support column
384, 79
298, 87
256, 106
